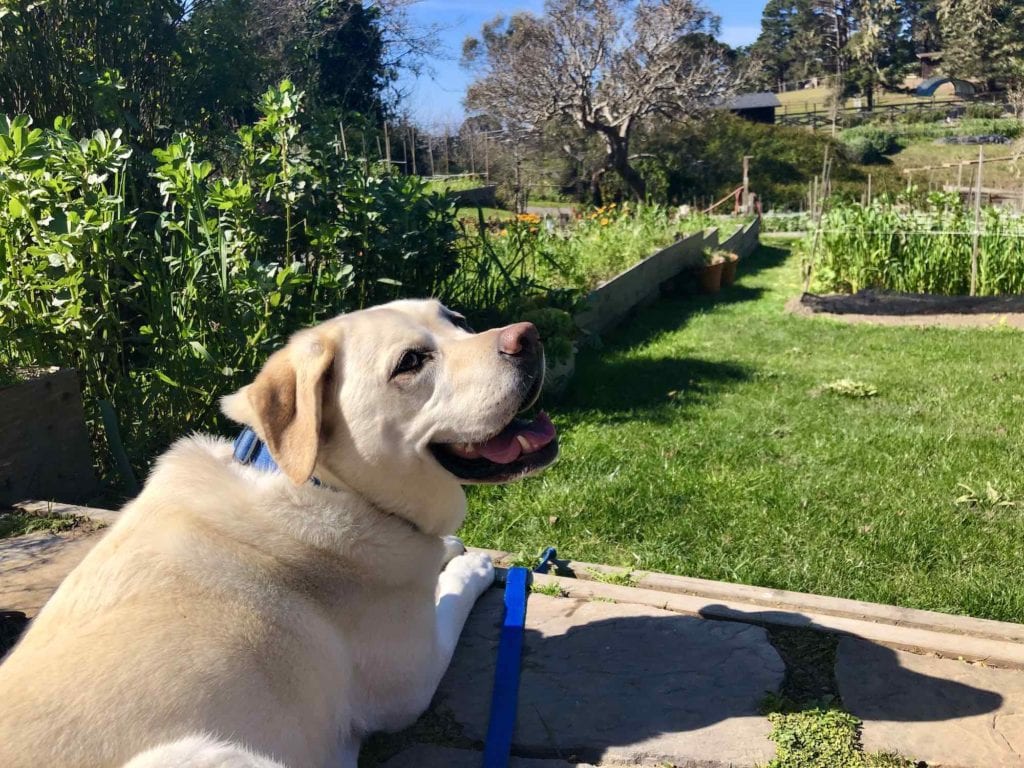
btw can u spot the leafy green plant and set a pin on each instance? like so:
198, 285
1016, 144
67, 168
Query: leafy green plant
822, 737
557, 331
989, 501
618, 579
551, 590
849, 388
926, 249
164, 311
868, 144
20, 523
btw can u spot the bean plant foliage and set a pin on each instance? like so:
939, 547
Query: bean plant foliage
163, 311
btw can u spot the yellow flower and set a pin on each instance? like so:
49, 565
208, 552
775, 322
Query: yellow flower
605, 221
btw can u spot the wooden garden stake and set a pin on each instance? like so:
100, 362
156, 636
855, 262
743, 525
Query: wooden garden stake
977, 221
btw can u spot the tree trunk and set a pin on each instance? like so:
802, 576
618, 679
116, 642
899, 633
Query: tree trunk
595, 187
618, 158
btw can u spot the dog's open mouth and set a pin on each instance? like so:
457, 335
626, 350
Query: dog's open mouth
521, 448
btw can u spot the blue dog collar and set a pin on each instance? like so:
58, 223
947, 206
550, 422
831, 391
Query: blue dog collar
252, 451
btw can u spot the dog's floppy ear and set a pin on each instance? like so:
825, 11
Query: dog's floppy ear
285, 402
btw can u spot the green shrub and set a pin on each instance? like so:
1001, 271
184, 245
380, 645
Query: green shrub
556, 328
704, 161
163, 312
917, 116
982, 111
868, 144
824, 737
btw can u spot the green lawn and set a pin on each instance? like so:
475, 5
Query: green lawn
702, 440
818, 99
490, 214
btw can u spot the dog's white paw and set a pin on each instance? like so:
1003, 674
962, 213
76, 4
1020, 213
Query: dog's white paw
474, 570
200, 751
453, 547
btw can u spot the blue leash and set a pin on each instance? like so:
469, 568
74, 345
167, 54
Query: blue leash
505, 698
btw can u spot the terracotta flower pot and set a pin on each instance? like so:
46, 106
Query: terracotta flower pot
729, 269
711, 276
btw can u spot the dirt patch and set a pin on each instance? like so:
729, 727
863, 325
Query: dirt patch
913, 309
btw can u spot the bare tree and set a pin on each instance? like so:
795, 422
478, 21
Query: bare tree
604, 65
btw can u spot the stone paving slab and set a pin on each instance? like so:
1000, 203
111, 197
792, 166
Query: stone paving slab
942, 711
433, 756
34, 565
618, 683
621, 683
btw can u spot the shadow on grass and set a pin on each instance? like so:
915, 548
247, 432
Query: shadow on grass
765, 257
621, 389
672, 311
620, 385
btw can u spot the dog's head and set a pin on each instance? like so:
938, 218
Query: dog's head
403, 403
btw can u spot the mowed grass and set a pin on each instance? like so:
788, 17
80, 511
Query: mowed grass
705, 439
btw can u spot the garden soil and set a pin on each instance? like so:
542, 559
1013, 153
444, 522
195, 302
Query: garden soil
913, 309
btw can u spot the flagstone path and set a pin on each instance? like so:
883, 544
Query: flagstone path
616, 683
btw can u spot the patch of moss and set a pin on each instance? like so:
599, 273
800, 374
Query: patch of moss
14, 523
822, 736
551, 590
809, 727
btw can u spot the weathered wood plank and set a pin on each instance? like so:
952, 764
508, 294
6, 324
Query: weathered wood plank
44, 447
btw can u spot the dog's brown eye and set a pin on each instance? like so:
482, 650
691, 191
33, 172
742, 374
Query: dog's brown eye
412, 360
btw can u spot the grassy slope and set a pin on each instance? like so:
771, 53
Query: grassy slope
810, 99
1003, 175
694, 443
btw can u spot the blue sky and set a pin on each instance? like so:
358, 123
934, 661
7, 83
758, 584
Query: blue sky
436, 100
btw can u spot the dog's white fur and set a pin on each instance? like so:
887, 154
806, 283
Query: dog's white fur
242, 619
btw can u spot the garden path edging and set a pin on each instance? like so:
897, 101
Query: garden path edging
960, 637
641, 284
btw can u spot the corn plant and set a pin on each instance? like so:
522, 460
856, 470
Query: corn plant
894, 246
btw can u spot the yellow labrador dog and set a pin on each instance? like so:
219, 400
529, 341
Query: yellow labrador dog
235, 617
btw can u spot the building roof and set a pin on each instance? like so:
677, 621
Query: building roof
752, 101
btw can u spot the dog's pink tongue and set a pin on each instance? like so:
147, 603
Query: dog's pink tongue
517, 439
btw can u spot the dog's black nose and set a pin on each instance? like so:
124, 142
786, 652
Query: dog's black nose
519, 340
